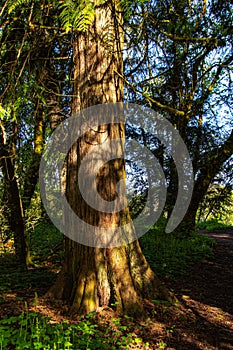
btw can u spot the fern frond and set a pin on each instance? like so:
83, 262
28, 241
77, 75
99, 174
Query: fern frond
86, 16
108, 38
78, 15
68, 8
14, 4
127, 6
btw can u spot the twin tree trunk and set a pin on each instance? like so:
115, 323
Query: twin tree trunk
96, 277
18, 204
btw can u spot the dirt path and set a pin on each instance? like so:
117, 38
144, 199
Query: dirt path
207, 291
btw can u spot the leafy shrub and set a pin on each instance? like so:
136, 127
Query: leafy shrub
32, 331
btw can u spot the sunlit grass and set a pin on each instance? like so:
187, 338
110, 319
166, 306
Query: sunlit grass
170, 256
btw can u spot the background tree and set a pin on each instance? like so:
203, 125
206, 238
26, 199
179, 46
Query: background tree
181, 65
217, 203
30, 93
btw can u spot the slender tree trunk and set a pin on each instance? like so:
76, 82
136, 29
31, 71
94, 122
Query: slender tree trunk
32, 173
15, 214
94, 277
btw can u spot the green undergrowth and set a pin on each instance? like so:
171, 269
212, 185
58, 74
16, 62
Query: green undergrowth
14, 279
46, 250
32, 331
167, 255
45, 243
170, 256
44, 240
213, 225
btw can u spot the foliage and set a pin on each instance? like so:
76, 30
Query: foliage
79, 15
32, 331
16, 279
4, 113
14, 4
217, 204
45, 242
42, 236
46, 249
5, 232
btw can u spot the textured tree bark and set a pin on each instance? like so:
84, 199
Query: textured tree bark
95, 277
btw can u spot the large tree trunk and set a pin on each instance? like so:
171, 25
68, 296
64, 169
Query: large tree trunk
93, 277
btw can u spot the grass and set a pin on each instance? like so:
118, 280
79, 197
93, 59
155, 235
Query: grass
170, 256
213, 225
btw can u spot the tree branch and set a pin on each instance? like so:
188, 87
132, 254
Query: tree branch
152, 100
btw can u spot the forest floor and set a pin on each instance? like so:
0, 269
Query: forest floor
202, 319
206, 292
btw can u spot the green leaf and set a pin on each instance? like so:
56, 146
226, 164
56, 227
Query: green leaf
4, 113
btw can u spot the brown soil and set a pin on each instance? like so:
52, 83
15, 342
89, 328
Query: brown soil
202, 319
